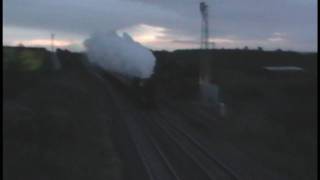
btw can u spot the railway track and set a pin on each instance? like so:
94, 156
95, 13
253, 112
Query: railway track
165, 149
151, 157
239, 163
213, 167
201, 162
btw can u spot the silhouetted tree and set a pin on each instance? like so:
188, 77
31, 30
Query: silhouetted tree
20, 45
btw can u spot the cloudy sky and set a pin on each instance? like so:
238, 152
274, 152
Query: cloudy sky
164, 24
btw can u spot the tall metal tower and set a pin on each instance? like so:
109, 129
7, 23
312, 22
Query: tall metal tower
205, 68
204, 26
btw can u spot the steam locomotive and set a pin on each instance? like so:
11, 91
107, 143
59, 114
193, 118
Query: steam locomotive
139, 90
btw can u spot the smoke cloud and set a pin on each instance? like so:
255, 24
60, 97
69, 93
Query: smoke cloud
120, 54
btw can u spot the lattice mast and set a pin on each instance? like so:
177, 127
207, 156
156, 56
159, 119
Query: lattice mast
204, 44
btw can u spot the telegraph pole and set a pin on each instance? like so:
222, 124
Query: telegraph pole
52, 42
54, 59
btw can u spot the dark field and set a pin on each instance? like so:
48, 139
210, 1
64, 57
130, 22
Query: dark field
56, 124
271, 115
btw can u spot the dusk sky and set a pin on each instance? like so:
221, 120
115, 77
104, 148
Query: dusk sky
164, 24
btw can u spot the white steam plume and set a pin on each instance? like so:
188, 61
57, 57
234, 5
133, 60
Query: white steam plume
120, 54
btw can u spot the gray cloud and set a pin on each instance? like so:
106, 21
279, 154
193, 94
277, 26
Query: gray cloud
81, 16
245, 19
